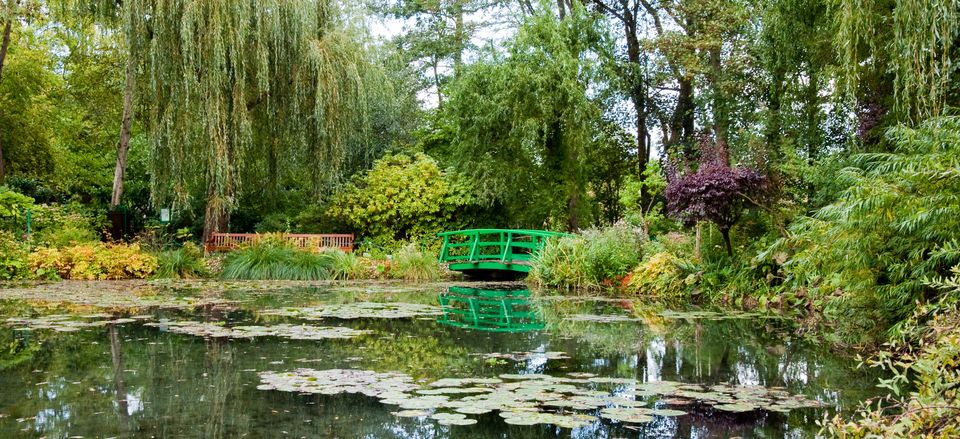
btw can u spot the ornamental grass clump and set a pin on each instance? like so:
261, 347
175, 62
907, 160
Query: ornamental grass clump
184, 263
561, 263
596, 258
414, 264
610, 253
275, 259
345, 265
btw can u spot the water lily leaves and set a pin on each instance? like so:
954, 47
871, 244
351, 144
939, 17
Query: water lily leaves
336, 381
531, 399
424, 402
359, 310
524, 417
526, 356
633, 415
294, 332
473, 410
410, 413
453, 390
66, 323
735, 408
452, 419
667, 412
458, 382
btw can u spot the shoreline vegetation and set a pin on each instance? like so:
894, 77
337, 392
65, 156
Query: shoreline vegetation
796, 157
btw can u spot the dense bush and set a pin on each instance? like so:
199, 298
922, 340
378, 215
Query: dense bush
412, 263
402, 198
275, 259
866, 255
13, 257
184, 263
93, 262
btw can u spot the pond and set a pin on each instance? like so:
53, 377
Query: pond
209, 359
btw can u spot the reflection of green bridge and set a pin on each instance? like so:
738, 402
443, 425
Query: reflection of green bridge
493, 249
489, 310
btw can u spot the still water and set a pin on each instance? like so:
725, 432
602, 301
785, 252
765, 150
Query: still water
605, 368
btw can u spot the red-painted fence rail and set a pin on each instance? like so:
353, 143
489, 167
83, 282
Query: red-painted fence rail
230, 241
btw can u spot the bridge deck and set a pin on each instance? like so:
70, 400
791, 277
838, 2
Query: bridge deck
493, 249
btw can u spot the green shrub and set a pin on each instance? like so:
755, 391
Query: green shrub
13, 257
414, 264
275, 259
866, 254
595, 258
345, 265
610, 253
184, 263
68, 235
401, 198
93, 262
561, 262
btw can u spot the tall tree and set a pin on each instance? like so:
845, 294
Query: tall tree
521, 123
220, 68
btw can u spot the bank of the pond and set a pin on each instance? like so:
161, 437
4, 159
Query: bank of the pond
392, 359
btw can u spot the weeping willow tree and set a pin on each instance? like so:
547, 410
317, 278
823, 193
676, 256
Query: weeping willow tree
914, 40
228, 81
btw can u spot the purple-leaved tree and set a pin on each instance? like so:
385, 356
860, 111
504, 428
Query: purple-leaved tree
714, 192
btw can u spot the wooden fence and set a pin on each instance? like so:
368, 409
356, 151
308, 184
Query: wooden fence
230, 241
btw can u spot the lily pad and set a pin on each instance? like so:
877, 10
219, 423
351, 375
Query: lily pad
66, 323
359, 310
636, 415
452, 419
294, 332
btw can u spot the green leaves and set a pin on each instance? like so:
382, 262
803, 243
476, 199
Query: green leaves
402, 198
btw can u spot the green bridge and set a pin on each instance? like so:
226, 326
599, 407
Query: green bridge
486, 250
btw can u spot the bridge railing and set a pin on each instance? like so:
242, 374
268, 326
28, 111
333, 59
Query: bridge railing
232, 241
504, 245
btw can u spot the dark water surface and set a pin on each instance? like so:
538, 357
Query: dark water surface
134, 380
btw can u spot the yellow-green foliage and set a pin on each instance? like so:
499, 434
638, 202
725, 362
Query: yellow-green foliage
93, 262
657, 275
400, 198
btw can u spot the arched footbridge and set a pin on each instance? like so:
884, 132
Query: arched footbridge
477, 250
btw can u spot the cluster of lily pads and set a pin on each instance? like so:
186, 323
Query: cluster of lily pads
294, 332
526, 356
359, 310
529, 399
114, 295
70, 323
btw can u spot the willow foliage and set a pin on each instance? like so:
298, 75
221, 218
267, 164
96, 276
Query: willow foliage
912, 39
219, 71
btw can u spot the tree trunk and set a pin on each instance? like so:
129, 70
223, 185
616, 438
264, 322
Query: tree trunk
123, 145
696, 243
682, 120
725, 231
721, 114
7, 29
638, 91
